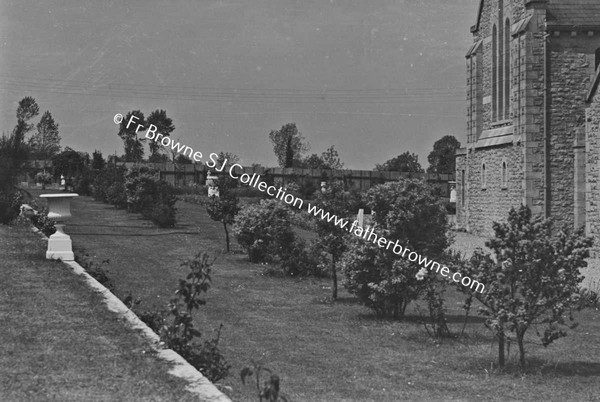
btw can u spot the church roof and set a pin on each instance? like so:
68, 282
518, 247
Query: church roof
573, 13
563, 13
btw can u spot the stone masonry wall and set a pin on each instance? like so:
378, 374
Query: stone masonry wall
491, 203
572, 68
592, 172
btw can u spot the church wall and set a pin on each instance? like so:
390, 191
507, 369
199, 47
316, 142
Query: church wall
592, 172
572, 68
491, 202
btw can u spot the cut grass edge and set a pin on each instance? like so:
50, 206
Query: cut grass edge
180, 368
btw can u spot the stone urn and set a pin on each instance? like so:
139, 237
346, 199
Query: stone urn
59, 210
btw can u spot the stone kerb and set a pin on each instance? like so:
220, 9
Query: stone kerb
59, 209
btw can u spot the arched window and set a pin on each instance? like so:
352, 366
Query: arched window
500, 70
494, 73
597, 58
462, 188
483, 175
507, 69
504, 174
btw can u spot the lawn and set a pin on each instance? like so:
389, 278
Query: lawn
60, 342
327, 351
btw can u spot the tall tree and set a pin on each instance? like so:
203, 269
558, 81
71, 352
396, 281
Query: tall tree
405, 162
163, 124
134, 149
288, 145
26, 110
45, 143
441, 159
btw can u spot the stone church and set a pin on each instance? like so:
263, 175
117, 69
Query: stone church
533, 114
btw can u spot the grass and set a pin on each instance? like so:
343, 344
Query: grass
327, 351
59, 341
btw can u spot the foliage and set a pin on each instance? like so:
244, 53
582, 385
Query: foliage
329, 159
409, 212
164, 126
26, 110
41, 221
225, 207
332, 237
532, 279
134, 149
154, 198
270, 390
405, 162
180, 333
264, 230
96, 270
98, 162
442, 158
71, 164
288, 145
45, 143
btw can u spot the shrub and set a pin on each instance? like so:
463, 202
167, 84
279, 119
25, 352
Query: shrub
407, 211
43, 223
10, 204
154, 198
96, 270
264, 230
532, 279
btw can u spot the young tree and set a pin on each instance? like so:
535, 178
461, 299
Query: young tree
328, 160
405, 162
134, 149
46, 142
224, 208
442, 158
289, 145
533, 278
333, 238
164, 126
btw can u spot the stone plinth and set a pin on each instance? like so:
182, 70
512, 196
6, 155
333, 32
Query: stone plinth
59, 210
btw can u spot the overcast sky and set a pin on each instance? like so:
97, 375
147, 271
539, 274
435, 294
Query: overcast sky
375, 78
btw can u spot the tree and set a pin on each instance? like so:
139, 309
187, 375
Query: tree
332, 237
224, 208
288, 145
406, 162
46, 142
328, 160
134, 150
409, 212
163, 124
532, 280
442, 158
26, 110
70, 164
98, 161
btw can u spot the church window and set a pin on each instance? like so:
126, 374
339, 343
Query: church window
597, 58
494, 73
507, 69
483, 176
504, 174
462, 188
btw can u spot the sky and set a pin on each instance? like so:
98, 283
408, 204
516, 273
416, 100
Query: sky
374, 78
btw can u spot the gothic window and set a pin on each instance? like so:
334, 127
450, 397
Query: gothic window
462, 188
494, 73
483, 176
504, 174
507, 69
597, 58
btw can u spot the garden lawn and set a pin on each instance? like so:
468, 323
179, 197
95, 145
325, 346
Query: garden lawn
60, 342
327, 351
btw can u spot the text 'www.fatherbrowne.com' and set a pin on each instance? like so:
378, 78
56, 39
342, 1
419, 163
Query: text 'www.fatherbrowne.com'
290, 199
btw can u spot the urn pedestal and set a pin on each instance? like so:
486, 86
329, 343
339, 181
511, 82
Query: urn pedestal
59, 210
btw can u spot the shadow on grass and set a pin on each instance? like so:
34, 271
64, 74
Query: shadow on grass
534, 366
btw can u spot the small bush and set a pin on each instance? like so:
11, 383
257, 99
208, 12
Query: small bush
154, 198
43, 223
264, 231
95, 270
